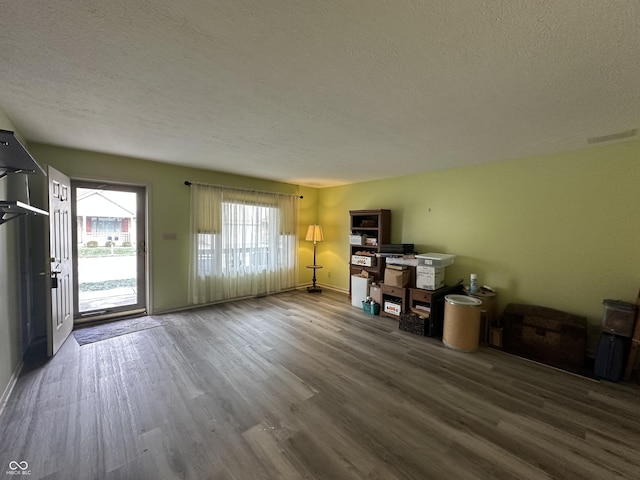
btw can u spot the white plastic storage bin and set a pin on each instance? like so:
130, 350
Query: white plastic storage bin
435, 259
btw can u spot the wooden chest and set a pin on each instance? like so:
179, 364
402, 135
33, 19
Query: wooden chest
545, 335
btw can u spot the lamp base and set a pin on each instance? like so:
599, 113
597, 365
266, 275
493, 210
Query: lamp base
313, 288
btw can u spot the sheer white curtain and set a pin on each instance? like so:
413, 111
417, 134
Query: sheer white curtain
243, 243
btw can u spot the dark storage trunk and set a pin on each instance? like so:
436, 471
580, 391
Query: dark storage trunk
545, 335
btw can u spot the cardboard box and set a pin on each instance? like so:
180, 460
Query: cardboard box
393, 308
495, 337
357, 239
425, 270
618, 317
397, 278
429, 278
363, 260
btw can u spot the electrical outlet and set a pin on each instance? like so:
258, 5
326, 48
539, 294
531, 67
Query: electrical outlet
328, 274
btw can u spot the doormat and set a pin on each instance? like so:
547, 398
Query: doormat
114, 329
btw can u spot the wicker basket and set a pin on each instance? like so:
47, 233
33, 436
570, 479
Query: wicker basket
412, 323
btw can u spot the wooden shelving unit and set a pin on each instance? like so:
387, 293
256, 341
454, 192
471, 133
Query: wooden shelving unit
376, 225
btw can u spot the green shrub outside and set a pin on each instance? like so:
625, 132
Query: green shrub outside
105, 251
107, 285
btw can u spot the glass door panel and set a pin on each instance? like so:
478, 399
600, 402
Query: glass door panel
110, 257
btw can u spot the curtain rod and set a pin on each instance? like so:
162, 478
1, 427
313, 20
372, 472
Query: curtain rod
188, 184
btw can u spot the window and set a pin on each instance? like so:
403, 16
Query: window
106, 224
244, 243
247, 240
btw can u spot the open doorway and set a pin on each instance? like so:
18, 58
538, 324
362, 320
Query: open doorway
109, 250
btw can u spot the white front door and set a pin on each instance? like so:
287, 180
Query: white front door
60, 268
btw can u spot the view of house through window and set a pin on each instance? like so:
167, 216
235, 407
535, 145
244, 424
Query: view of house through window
107, 249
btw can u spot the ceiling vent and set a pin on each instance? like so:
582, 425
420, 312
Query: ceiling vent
613, 136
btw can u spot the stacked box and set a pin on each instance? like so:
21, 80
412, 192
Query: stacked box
397, 278
618, 317
363, 260
359, 239
393, 308
429, 278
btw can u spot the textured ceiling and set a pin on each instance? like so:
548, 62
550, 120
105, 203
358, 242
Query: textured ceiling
321, 92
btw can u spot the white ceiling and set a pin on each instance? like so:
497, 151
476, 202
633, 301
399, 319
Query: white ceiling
321, 92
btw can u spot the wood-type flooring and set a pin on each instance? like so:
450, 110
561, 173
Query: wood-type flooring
300, 386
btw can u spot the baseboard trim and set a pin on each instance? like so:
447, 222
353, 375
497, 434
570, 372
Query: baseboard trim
184, 308
12, 383
200, 305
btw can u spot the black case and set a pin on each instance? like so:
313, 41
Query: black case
433, 327
609, 357
397, 248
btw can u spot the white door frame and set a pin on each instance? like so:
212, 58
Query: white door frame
142, 245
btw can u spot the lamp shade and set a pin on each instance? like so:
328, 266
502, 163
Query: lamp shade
314, 234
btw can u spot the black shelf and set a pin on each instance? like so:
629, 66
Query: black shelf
14, 158
10, 209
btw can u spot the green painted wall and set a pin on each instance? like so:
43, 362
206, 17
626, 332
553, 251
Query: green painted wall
10, 309
558, 230
169, 209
